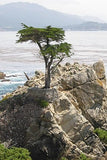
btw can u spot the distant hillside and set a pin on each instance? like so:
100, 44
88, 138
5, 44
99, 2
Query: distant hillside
92, 19
89, 26
13, 14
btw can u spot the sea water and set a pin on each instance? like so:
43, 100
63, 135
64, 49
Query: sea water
15, 58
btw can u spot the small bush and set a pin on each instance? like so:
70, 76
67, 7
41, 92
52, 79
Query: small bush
63, 158
102, 134
43, 103
84, 157
14, 153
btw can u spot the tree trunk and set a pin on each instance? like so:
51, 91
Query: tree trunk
47, 76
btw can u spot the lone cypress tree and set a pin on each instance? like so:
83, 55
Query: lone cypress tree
50, 41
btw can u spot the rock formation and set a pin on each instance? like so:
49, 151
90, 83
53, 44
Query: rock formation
2, 75
64, 127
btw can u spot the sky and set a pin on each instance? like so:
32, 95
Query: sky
96, 8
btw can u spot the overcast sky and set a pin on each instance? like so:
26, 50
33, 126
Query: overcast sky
96, 8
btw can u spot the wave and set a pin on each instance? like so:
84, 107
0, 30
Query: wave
89, 50
11, 83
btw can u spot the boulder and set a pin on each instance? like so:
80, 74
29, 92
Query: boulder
2, 75
79, 79
43, 94
100, 71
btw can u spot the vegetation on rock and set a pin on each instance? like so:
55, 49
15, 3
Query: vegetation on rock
50, 41
83, 157
102, 134
14, 153
5, 98
43, 103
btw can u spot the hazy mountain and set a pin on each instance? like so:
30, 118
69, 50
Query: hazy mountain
13, 14
89, 26
92, 19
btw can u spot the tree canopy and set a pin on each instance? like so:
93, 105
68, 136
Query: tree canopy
52, 46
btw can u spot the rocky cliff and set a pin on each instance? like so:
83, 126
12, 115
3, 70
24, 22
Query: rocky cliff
58, 122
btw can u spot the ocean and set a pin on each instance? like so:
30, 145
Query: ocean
15, 59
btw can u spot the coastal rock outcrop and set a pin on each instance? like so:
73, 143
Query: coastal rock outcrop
88, 88
2, 75
58, 122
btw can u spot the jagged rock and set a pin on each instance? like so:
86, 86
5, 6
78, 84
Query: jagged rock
79, 79
77, 104
39, 73
89, 91
2, 75
36, 81
77, 127
35, 128
100, 71
49, 140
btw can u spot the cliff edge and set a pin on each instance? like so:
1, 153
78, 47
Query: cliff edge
60, 121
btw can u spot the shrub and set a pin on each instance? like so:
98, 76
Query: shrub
63, 158
83, 157
102, 134
14, 153
43, 103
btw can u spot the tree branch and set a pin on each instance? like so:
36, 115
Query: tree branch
39, 46
53, 68
27, 76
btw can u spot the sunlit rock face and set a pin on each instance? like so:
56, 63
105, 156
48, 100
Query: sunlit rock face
58, 122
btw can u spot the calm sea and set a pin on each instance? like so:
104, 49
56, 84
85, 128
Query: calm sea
15, 59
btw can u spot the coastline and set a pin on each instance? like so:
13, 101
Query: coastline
63, 117
89, 47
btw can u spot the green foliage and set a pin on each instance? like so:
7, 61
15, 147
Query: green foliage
102, 134
52, 46
43, 37
43, 103
40, 34
5, 98
57, 50
63, 158
14, 153
83, 157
